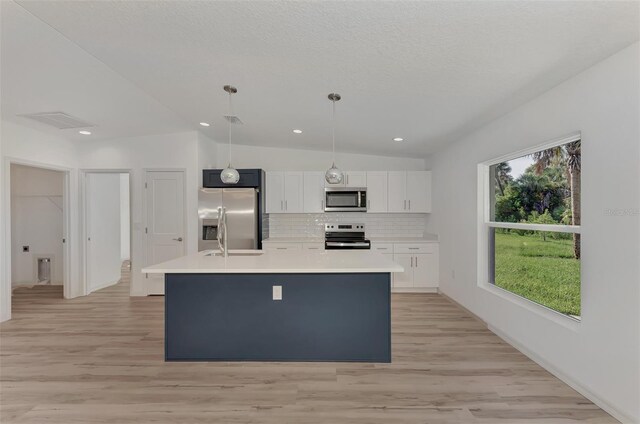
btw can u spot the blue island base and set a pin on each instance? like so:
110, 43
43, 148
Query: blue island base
321, 317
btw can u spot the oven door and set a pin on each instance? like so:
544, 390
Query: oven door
345, 199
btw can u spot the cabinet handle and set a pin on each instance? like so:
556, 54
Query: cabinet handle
347, 179
282, 205
286, 206
409, 204
412, 262
416, 262
405, 205
414, 248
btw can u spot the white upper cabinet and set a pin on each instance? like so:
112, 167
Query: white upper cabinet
284, 192
418, 191
355, 179
377, 191
397, 200
314, 192
352, 179
410, 191
393, 191
293, 192
274, 192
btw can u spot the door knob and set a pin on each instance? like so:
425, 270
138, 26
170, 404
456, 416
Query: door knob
178, 239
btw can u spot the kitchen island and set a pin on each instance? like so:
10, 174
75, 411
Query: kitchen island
278, 306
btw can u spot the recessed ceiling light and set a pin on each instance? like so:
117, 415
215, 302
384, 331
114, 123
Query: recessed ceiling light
398, 139
83, 132
204, 124
297, 131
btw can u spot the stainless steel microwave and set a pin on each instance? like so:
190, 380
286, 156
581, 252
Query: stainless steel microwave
345, 199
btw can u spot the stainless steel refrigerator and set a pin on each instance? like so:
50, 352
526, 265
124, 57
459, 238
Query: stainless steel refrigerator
242, 217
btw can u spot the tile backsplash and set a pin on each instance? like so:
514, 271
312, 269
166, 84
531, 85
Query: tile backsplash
376, 224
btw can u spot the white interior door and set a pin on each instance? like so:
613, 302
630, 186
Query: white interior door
103, 230
165, 227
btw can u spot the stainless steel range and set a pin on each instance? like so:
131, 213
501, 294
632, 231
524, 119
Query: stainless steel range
345, 236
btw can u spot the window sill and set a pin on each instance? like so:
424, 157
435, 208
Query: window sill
566, 321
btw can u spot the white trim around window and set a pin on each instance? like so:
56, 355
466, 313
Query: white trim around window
485, 223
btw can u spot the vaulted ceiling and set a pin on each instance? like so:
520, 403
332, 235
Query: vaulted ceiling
425, 71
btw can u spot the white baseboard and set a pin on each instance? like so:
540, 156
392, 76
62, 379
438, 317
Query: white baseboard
606, 406
414, 290
104, 286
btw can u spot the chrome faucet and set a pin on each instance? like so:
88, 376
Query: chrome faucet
222, 231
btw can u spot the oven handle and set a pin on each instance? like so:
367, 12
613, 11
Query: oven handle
339, 244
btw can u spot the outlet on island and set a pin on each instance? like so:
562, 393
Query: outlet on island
277, 292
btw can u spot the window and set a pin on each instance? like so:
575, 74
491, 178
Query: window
531, 224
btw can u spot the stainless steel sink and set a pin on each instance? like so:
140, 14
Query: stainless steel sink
256, 253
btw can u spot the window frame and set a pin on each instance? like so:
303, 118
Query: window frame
485, 258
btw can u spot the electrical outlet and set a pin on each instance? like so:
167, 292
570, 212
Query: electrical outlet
277, 292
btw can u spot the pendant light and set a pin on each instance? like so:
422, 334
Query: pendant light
333, 174
230, 175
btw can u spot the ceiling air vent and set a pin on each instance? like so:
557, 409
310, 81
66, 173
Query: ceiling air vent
59, 120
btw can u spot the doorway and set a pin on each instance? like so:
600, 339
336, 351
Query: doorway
38, 226
165, 221
107, 228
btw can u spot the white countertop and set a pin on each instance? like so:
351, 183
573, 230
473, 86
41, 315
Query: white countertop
292, 262
427, 238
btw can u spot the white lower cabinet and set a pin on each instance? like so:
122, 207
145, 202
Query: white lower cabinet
313, 246
403, 279
266, 245
419, 260
282, 245
425, 270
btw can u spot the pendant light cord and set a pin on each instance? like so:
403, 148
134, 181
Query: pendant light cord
230, 114
333, 130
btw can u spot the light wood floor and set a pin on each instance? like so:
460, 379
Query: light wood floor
99, 359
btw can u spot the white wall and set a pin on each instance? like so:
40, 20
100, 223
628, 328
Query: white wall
207, 155
125, 221
175, 151
599, 356
277, 159
36, 221
103, 230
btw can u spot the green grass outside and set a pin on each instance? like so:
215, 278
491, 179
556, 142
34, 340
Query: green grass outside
542, 271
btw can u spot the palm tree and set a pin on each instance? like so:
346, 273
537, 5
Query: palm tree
503, 175
570, 156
